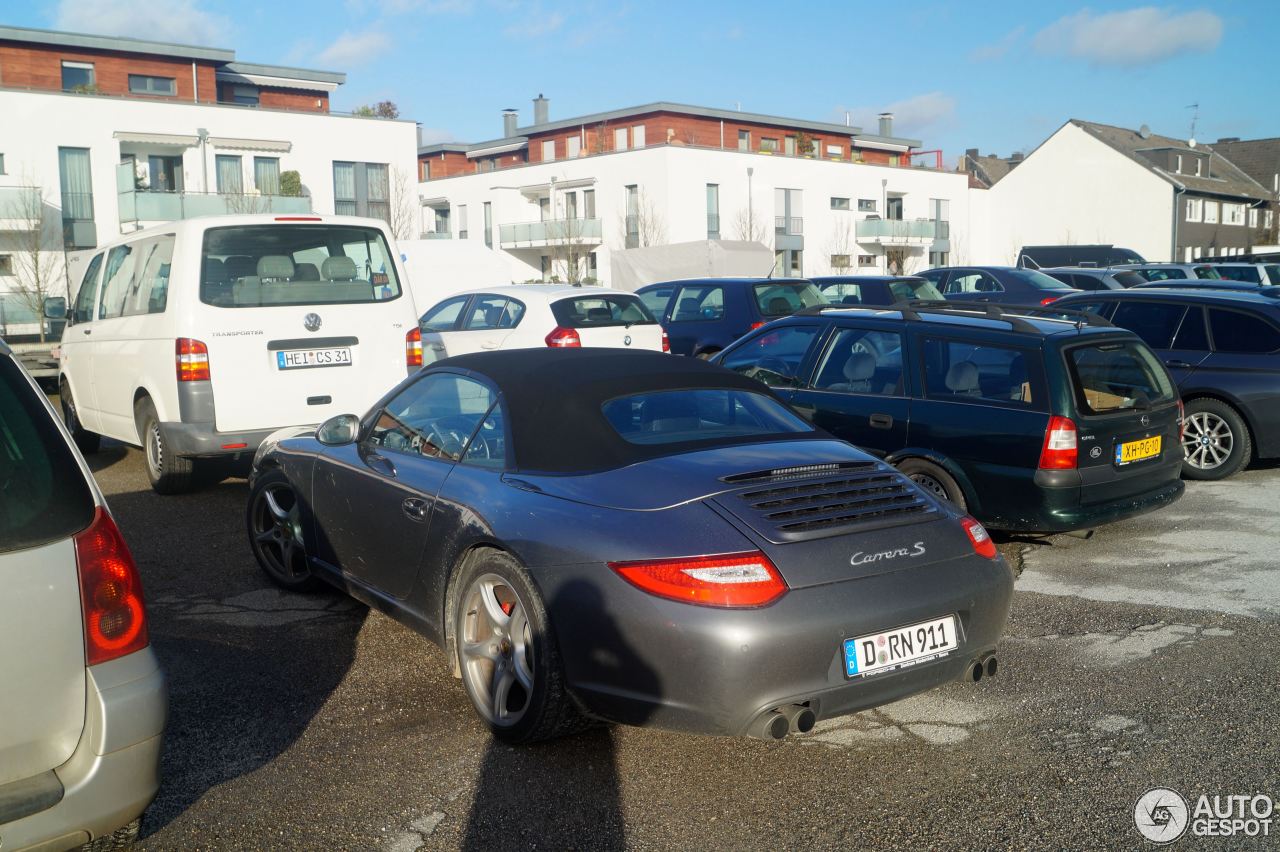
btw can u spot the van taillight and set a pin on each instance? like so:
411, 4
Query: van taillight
193, 360
1059, 451
413, 347
561, 337
115, 621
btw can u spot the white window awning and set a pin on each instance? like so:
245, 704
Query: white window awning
174, 139
275, 82
250, 144
535, 189
438, 201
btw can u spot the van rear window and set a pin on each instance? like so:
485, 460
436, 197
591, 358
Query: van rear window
43, 494
249, 266
1118, 376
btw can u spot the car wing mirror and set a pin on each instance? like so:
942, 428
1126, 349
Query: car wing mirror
55, 308
339, 431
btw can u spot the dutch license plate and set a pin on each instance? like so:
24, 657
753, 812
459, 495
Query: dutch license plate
903, 646
293, 359
1132, 451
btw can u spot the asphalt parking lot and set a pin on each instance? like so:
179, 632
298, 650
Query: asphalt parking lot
1144, 657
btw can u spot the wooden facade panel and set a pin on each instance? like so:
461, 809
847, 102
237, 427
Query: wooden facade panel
36, 67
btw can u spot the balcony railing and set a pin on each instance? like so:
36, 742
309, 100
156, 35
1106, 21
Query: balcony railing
437, 235
901, 231
143, 206
20, 208
788, 225
549, 231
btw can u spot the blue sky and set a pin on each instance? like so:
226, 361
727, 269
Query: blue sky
999, 76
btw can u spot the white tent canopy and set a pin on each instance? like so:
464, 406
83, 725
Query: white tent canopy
634, 268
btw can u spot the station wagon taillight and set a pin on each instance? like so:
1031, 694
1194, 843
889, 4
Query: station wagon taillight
1059, 451
413, 347
561, 338
978, 537
1048, 300
727, 580
115, 621
192, 360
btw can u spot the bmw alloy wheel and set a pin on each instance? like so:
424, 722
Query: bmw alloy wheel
497, 650
1207, 440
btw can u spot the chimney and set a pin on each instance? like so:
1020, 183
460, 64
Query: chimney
886, 124
509, 119
971, 153
1015, 157
541, 109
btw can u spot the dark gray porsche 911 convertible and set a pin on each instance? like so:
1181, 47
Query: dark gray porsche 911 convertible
632, 537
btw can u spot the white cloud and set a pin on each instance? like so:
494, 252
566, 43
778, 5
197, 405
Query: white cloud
913, 116
182, 21
1132, 37
997, 50
535, 26
355, 48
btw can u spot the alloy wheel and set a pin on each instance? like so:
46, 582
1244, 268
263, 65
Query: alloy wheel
277, 531
496, 642
1207, 440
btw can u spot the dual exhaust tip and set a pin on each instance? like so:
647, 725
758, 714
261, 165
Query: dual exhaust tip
985, 666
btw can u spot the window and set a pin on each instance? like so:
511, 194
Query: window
78, 77
679, 416
985, 373
2, 164
909, 289
548, 150
835, 151
601, 311
1237, 332
637, 136
571, 205
862, 361
462, 221
972, 281
656, 299
295, 264
6, 264
362, 189
1118, 377
842, 292
1249, 274
1191, 333
488, 447
1211, 212
866, 260
789, 145
119, 275
1232, 214
744, 140
866, 205
1154, 322
230, 174
840, 261
774, 357
166, 173
76, 181
88, 292
149, 290
1177, 163
141, 84
632, 221
572, 146
1195, 209
378, 190
440, 220
839, 203
244, 95
780, 300
769, 144
488, 224
434, 417
620, 139
1253, 217
1198, 164
444, 316
713, 211
487, 312
589, 203
937, 258
266, 175
1266, 218
698, 303
344, 189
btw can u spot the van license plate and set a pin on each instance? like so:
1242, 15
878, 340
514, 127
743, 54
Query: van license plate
1132, 451
904, 646
294, 359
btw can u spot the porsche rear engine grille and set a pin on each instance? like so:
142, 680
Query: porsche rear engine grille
879, 497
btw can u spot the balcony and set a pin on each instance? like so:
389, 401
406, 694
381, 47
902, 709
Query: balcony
550, 232
20, 208
897, 232
144, 206
437, 235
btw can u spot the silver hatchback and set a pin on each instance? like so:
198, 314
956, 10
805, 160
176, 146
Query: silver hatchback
82, 697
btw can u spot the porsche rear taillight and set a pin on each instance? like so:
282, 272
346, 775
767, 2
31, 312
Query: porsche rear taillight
979, 537
413, 347
192, 360
666, 342
726, 580
1059, 450
563, 338
115, 622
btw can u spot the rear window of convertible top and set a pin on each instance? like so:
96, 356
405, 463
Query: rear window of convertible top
702, 414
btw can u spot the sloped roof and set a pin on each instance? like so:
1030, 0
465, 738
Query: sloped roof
1259, 158
987, 169
1225, 178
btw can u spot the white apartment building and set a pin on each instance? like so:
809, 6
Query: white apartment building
557, 198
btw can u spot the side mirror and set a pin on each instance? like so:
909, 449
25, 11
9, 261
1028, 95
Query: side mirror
339, 431
55, 308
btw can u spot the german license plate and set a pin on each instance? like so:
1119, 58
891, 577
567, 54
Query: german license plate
1132, 451
293, 359
904, 646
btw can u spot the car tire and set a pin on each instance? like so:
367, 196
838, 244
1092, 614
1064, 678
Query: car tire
273, 521
507, 654
88, 442
122, 838
1215, 440
169, 473
934, 480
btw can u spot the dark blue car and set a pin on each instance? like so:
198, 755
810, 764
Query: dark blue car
704, 315
1003, 284
875, 289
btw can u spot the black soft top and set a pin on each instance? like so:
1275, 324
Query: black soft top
553, 400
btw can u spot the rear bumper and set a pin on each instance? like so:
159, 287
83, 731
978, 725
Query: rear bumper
1067, 505
638, 659
114, 772
202, 440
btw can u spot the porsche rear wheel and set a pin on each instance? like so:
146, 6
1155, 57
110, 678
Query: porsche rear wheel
507, 654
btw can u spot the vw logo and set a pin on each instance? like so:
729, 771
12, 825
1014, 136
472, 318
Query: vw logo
626, 341
1145, 420
311, 322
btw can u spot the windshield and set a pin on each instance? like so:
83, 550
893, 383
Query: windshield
246, 266
598, 311
1247, 274
778, 299
701, 414
1118, 376
1038, 280
910, 289
1128, 279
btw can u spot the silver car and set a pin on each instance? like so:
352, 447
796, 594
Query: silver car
82, 697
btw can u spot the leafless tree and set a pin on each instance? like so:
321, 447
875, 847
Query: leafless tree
38, 257
247, 202
404, 205
842, 244
570, 248
646, 226
747, 226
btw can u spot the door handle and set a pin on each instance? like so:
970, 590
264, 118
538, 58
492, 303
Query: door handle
415, 508
1175, 362
381, 464
881, 421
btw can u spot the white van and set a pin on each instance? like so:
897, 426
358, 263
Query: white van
196, 339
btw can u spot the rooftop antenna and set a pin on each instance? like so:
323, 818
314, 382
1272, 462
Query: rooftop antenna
1195, 116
